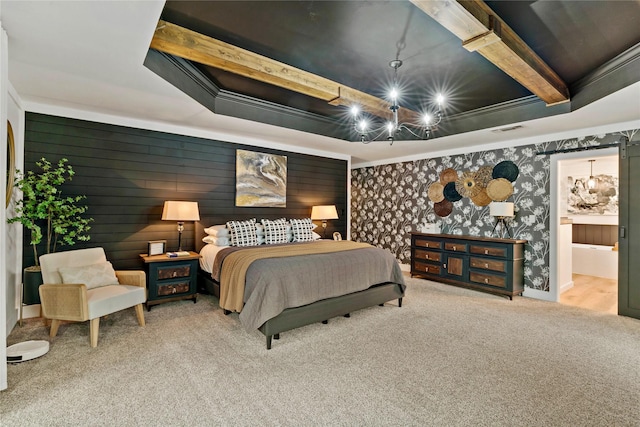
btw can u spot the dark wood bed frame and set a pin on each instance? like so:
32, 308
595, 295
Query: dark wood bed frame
319, 311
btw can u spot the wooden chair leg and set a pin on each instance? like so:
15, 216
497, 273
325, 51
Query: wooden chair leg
94, 327
55, 323
140, 314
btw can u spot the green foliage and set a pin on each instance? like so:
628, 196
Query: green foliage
44, 207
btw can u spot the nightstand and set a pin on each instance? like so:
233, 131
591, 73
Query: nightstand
171, 279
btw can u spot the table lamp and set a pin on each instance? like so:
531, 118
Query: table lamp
324, 213
502, 211
181, 212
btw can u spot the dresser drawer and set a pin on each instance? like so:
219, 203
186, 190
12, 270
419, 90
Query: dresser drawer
488, 279
455, 247
488, 250
428, 255
427, 243
174, 271
488, 264
419, 267
173, 288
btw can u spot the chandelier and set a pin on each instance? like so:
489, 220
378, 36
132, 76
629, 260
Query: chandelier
362, 122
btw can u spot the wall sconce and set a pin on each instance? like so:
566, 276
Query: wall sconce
324, 213
502, 211
592, 182
181, 212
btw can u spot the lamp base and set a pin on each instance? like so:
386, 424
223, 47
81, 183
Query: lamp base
502, 220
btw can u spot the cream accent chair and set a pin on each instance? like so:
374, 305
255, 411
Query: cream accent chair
74, 302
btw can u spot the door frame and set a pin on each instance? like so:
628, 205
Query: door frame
554, 213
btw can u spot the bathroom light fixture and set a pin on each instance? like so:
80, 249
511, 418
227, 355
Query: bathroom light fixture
592, 182
369, 131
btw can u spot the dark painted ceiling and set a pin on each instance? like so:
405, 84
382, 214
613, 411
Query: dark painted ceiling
352, 42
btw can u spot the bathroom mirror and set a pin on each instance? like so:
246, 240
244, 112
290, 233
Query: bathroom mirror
11, 162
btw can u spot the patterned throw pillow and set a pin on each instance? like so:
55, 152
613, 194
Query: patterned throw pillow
93, 275
243, 233
275, 231
302, 229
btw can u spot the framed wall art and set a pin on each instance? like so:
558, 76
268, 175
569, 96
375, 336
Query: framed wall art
261, 179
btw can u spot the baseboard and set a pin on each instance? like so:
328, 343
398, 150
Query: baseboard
566, 286
538, 294
31, 311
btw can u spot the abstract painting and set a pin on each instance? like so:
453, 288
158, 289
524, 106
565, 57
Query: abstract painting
261, 179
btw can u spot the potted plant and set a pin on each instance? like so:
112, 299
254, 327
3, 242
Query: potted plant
43, 209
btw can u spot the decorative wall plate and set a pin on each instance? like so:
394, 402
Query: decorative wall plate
467, 185
435, 192
450, 192
499, 189
507, 170
448, 175
444, 208
482, 198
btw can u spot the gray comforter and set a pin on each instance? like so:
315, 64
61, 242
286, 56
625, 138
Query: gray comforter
275, 284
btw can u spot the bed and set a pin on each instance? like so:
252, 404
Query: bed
286, 286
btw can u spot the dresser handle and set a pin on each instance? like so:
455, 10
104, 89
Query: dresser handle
486, 280
444, 266
486, 251
454, 248
426, 257
486, 265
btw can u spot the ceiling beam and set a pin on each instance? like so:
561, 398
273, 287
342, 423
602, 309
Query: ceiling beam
187, 44
482, 31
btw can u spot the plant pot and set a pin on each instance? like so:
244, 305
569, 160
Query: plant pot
31, 281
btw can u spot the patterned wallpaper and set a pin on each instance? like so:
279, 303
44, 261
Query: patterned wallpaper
389, 201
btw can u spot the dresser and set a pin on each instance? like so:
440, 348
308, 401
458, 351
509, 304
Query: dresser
171, 279
483, 263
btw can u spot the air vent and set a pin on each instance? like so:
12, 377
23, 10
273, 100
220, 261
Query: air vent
507, 129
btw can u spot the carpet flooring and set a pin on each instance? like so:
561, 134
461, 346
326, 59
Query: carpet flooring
448, 357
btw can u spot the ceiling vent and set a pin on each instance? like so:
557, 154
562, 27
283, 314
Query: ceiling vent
507, 129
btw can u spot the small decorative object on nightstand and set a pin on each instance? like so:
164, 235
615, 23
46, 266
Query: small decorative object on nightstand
171, 278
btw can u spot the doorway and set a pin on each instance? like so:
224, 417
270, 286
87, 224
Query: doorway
587, 225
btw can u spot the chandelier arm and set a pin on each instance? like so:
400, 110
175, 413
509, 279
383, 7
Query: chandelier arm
405, 127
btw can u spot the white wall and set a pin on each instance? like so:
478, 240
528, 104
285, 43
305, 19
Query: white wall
4, 57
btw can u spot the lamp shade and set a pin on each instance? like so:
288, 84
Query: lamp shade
501, 209
180, 211
324, 212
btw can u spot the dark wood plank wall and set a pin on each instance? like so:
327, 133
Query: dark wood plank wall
128, 173
595, 234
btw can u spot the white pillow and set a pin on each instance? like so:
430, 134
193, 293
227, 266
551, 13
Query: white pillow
302, 229
218, 241
275, 231
243, 233
93, 275
316, 236
217, 230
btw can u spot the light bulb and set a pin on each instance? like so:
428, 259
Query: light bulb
427, 118
394, 94
390, 128
355, 111
362, 125
440, 99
